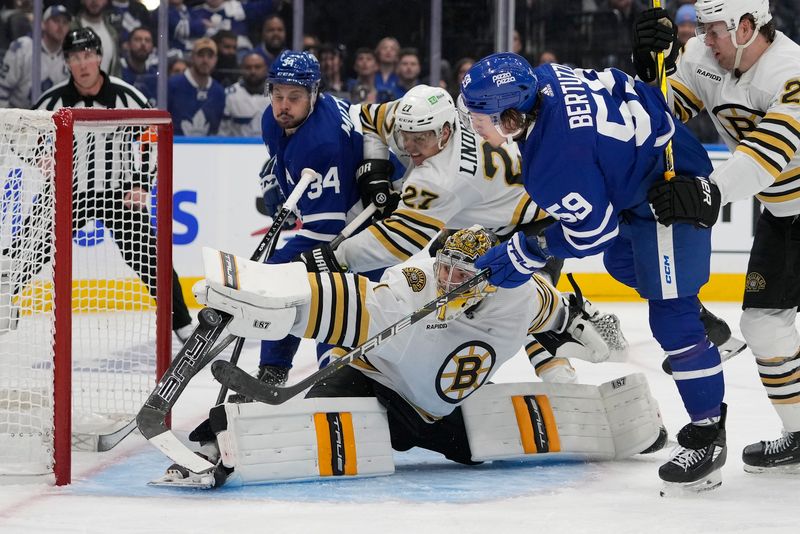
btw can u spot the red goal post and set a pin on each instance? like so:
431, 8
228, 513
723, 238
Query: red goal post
109, 318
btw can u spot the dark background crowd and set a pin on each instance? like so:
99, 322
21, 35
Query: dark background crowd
369, 51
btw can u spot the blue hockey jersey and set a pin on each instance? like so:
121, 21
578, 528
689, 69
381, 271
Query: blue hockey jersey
328, 143
596, 146
196, 111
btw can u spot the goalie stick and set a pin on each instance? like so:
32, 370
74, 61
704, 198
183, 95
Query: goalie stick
194, 355
241, 382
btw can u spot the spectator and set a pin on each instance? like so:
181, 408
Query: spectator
311, 45
330, 63
95, 15
686, 21
231, 15
182, 27
196, 100
246, 100
140, 66
408, 70
177, 65
126, 16
273, 39
16, 22
227, 70
548, 56
362, 87
15, 77
462, 67
387, 55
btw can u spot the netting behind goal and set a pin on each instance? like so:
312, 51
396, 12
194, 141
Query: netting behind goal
85, 253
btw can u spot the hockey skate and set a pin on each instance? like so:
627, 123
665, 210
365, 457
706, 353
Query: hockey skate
719, 333
269, 374
779, 456
696, 463
178, 476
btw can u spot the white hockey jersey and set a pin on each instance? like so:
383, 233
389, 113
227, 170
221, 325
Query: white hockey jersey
15, 76
469, 182
758, 116
243, 111
434, 365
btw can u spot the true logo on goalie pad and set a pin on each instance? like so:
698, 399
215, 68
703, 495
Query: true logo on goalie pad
335, 444
230, 273
537, 426
464, 371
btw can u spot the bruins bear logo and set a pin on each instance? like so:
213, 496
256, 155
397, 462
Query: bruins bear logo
415, 278
754, 282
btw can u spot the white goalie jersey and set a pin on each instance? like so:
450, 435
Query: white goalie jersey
758, 116
434, 365
469, 182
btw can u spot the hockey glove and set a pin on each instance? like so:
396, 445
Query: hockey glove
685, 199
653, 32
372, 177
512, 263
321, 259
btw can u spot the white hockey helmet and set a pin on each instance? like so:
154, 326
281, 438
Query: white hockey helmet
425, 108
731, 12
455, 264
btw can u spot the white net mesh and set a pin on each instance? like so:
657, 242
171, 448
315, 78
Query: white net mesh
113, 291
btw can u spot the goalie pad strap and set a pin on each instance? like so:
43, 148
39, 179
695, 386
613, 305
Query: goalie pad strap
512, 421
305, 440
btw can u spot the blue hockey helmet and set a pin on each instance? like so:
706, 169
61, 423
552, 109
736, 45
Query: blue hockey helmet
499, 82
295, 68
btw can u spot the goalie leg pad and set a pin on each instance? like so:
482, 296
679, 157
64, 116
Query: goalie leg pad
527, 420
305, 439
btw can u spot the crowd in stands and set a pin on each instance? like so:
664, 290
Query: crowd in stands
220, 51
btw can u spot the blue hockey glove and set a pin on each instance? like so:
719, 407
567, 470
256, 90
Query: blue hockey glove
512, 263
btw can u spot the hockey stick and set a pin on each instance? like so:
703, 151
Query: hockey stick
267, 247
247, 385
193, 356
669, 159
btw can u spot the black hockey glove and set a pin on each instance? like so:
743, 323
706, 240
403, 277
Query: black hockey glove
321, 260
372, 177
653, 32
685, 199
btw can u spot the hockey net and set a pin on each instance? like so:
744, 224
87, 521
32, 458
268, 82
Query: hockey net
85, 253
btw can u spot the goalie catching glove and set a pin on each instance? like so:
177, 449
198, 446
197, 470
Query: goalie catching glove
654, 32
685, 199
586, 334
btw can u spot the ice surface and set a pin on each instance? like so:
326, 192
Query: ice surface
428, 493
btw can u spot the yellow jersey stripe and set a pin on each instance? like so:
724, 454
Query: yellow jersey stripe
338, 310
781, 119
788, 175
522, 207
768, 165
779, 197
772, 142
380, 119
397, 251
362, 317
313, 314
417, 217
407, 232
367, 120
683, 114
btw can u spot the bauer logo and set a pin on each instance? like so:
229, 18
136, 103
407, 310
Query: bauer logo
503, 78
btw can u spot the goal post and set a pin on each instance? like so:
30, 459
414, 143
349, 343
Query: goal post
85, 278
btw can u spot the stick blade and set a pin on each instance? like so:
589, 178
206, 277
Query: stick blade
239, 381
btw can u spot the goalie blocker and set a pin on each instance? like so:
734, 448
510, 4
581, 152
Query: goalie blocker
322, 437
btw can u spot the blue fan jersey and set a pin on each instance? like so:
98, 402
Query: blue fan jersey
328, 143
196, 111
595, 148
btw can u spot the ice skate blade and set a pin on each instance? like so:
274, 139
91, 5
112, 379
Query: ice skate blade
781, 470
677, 489
195, 482
731, 348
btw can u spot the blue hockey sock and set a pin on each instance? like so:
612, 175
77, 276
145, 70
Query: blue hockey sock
279, 353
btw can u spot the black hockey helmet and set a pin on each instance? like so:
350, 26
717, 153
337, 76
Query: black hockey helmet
82, 39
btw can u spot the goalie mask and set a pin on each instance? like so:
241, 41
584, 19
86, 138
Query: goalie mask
455, 264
